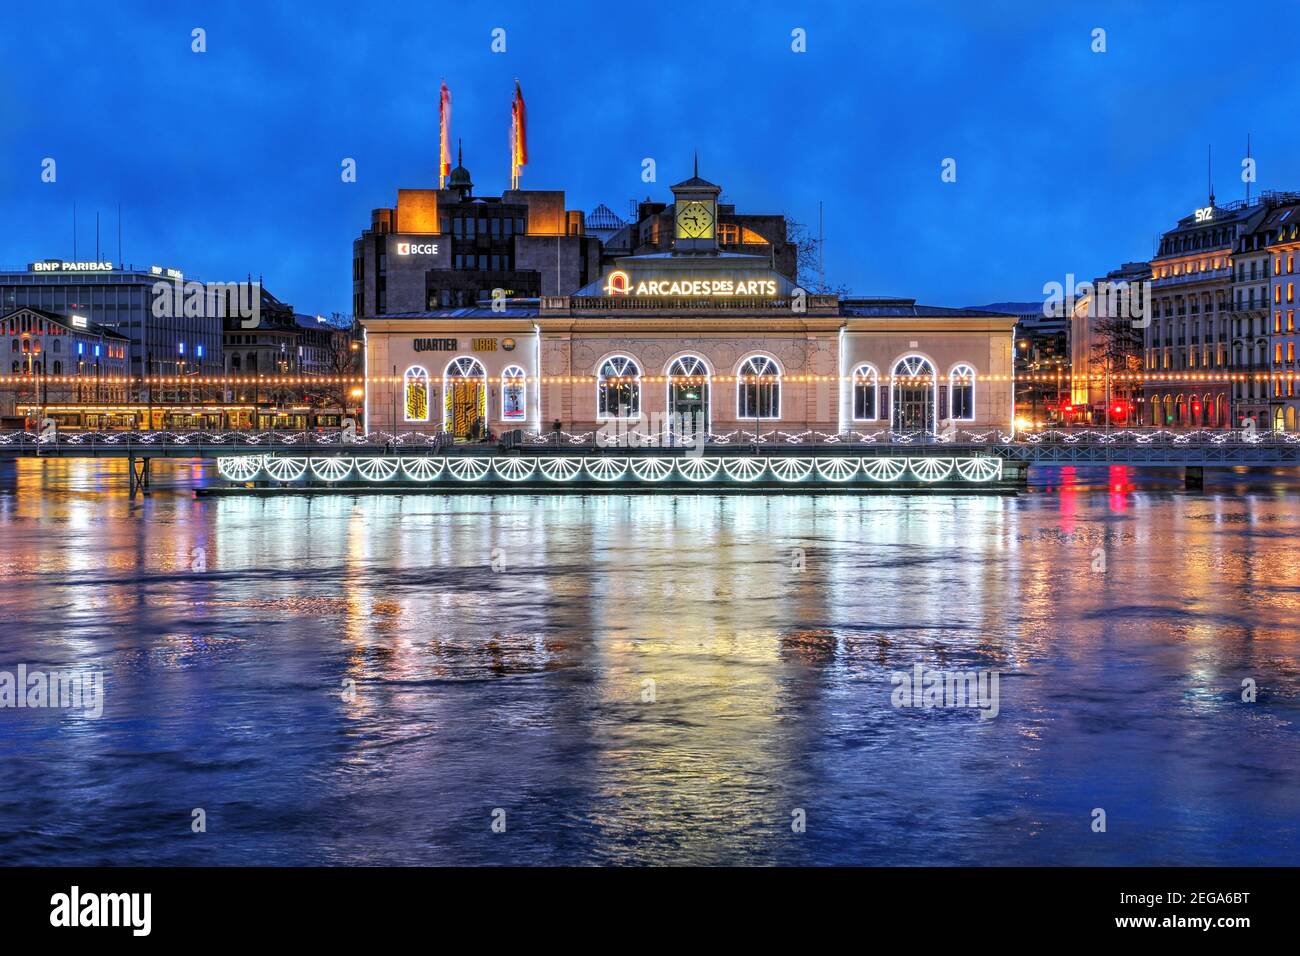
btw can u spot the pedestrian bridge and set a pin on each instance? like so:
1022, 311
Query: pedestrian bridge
989, 460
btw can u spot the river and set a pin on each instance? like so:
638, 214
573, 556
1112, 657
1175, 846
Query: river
704, 679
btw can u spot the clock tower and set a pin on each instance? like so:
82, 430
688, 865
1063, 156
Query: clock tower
695, 215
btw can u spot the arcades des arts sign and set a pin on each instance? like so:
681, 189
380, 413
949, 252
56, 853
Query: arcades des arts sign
619, 282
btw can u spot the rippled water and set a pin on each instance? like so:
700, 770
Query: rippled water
768, 626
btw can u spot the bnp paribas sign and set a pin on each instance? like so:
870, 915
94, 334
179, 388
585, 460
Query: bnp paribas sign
58, 265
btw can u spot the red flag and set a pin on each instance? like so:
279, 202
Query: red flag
518, 131
444, 134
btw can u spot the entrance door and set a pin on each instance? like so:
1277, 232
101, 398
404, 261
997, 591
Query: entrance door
465, 396
464, 409
913, 398
688, 395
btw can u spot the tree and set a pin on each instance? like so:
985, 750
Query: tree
808, 260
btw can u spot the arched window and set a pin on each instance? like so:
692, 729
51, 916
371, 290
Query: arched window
914, 394
15, 368
866, 392
688, 394
234, 363
58, 367
514, 398
961, 393
618, 389
464, 405
758, 389
58, 345
415, 394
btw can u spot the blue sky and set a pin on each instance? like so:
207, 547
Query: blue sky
228, 162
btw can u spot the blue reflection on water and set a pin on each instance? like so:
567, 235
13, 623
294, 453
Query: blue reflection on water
764, 628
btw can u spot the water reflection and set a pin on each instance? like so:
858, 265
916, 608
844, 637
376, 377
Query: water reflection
651, 678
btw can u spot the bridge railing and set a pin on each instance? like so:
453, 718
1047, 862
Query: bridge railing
143, 441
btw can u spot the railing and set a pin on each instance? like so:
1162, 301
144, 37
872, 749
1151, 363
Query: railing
274, 440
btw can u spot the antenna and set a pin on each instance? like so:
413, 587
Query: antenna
119, 235
1248, 157
821, 246
74, 230
1209, 170
96, 235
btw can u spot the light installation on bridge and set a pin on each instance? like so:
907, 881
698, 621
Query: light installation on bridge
639, 469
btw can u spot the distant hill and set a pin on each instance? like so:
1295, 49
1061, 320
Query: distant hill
1015, 308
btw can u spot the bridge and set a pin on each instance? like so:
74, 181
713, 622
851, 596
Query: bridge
771, 460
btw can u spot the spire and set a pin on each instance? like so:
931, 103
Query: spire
460, 152
697, 162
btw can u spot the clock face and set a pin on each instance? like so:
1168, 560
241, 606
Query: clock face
695, 221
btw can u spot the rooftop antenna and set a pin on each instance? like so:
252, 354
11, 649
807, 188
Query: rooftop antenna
74, 230
1209, 170
821, 246
119, 235
1248, 157
697, 164
96, 235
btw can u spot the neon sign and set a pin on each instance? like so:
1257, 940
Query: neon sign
1205, 214
619, 284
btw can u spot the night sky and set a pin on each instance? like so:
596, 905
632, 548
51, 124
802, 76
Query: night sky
228, 162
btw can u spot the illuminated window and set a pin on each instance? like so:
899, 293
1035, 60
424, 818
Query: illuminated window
1277, 294
758, 389
415, 394
514, 394
728, 234
1277, 352
1277, 321
464, 397
961, 393
866, 391
688, 394
1290, 291
618, 389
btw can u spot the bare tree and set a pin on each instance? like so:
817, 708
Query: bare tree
808, 260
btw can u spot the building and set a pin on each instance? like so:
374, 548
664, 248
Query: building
693, 337
1279, 236
447, 248
122, 298
71, 368
1106, 348
654, 230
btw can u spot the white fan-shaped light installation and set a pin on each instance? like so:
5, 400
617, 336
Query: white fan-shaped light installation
514, 468
652, 469
467, 469
422, 469
744, 469
837, 469
698, 469
331, 469
979, 469
284, 469
884, 469
560, 469
605, 469
377, 469
791, 469
242, 468
930, 469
